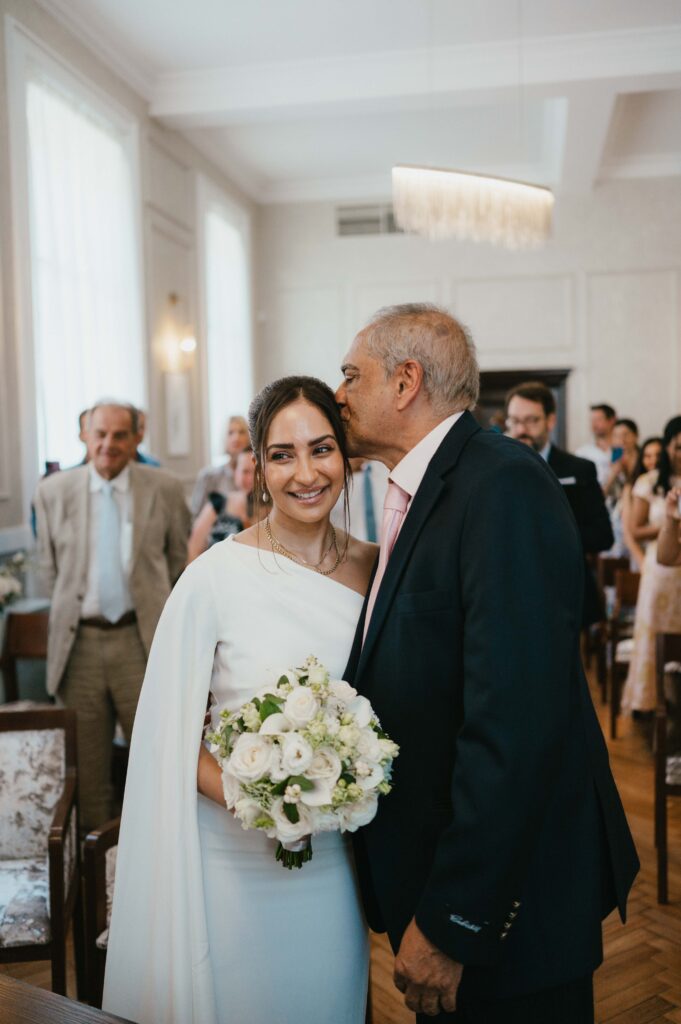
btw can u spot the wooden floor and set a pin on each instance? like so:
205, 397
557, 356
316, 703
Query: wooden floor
640, 980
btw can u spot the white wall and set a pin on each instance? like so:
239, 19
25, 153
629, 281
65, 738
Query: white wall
169, 170
601, 299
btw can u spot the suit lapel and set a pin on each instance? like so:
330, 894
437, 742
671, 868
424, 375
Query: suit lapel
422, 504
79, 509
143, 495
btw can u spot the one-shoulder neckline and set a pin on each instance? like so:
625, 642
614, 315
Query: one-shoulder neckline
303, 568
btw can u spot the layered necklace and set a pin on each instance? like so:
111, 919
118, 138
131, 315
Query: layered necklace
280, 549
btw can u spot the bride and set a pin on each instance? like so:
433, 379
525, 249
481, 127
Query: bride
206, 926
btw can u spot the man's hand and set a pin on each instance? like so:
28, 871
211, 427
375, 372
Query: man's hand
428, 978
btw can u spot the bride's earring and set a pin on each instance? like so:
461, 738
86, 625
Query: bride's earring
265, 497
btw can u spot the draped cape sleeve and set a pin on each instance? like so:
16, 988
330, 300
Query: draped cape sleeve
158, 966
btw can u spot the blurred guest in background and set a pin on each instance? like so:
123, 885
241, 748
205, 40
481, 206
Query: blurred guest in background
221, 478
366, 494
222, 516
600, 450
143, 457
658, 609
624, 460
531, 416
112, 540
648, 460
83, 419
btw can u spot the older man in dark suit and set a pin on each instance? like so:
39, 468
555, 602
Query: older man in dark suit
504, 842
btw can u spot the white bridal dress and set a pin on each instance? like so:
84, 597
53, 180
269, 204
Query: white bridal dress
207, 928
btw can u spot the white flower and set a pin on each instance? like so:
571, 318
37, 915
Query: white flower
275, 725
284, 830
231, 790
355, 815
248, 811
296, 754
388, 748
368, 744
331, 725
292, 794
362, 710
317, 676
251, 716
277, 772
320, 795
9, 586
325, 764
301, 706
339, 688
348, 735
250, 758
370, 774
324, 821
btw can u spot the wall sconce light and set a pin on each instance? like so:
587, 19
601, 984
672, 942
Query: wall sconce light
178, 345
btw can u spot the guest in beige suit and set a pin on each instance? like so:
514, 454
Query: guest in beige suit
112, 540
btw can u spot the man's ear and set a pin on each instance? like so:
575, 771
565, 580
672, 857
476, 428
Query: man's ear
409, 382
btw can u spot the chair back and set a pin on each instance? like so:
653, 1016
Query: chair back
626, 588
668, 651
25, 637
37, 749
606, 569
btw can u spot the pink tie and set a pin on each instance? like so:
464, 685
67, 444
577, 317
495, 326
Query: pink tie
394, 509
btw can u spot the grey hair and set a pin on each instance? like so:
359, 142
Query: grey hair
117, 404
441, 345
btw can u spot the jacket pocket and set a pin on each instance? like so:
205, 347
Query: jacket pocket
424, 601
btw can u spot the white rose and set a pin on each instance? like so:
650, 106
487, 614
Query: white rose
331, 725
296, 754
248, 811
231, 789
324, 821
348, 735
368, 745
339, 688
275, 724
301, 706
250, 757
355, 815
284, 830
362, 710
325, 764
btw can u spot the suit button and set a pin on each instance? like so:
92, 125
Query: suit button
79, 597
74, 628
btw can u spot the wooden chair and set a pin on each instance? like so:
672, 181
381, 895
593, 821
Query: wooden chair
621, 628
25, 637
99, 867
39, 848
598, 639
667, 769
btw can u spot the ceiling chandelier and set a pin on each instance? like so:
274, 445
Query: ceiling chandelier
439, 204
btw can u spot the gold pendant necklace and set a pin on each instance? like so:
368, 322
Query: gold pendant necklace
276, 546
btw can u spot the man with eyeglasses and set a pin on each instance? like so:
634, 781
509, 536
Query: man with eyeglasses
531, 418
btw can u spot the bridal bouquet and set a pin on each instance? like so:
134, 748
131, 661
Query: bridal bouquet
304, 756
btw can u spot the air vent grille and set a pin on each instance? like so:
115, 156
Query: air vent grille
373, 219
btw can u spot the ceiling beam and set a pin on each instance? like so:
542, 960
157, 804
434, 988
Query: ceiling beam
589, 116
233, 95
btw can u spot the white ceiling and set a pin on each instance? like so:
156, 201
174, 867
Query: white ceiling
317, 99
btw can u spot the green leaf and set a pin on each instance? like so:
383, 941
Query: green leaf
282, 680
267, 708
305, 784
291, 812
280, 788
347, 777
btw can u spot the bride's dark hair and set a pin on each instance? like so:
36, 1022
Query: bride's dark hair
272, 399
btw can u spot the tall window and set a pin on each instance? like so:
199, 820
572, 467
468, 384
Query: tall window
228, 317
85, 273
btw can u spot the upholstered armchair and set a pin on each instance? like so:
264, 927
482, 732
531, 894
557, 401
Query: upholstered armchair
39, 848
99, 869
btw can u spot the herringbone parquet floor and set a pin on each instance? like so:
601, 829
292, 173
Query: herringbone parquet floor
640, 980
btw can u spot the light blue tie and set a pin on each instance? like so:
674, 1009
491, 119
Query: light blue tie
369, 511
111, 583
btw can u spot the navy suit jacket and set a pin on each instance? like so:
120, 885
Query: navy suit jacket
504, 834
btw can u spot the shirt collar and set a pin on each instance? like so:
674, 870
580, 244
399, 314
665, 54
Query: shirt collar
411, 469
546, 451
120, 483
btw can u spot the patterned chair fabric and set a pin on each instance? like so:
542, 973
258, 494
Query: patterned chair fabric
103, 939
24, 895
31, 782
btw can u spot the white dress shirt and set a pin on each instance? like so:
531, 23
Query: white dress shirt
602, 457
122, 493
410, 470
